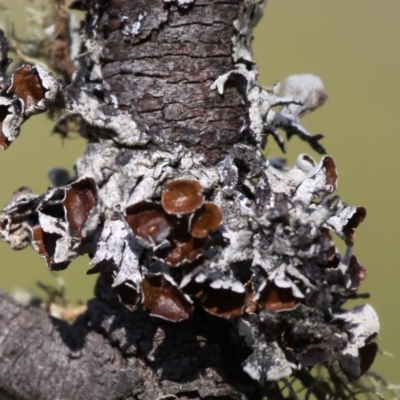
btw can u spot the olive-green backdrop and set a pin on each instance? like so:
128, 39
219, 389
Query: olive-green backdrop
354, 46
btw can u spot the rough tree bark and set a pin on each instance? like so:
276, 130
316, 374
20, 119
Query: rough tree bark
142, 92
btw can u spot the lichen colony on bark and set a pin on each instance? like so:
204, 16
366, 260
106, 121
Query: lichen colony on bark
173, 199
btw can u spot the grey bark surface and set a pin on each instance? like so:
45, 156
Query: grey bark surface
164, 73
112, 353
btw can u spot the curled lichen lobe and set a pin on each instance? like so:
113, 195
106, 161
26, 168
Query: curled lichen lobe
32, 90
54, 224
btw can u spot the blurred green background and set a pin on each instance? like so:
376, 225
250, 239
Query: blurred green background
354, 47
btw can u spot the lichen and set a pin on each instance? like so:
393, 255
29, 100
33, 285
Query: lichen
249, 239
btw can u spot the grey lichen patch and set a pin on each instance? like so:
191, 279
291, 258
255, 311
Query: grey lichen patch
133, 29
93, 55
262, 119
14, 228
308, 89
361, 324
301, 94
56, 223
116, 246
11, 119
267, 363
260, 101
249, 17
107, 116
309, 92
181, 3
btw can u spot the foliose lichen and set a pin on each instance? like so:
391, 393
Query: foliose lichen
248, 239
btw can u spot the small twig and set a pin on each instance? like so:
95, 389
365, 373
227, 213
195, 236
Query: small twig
317, 387
289, 386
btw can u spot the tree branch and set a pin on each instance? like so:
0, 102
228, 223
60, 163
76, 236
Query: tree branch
182, 216
112, 353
